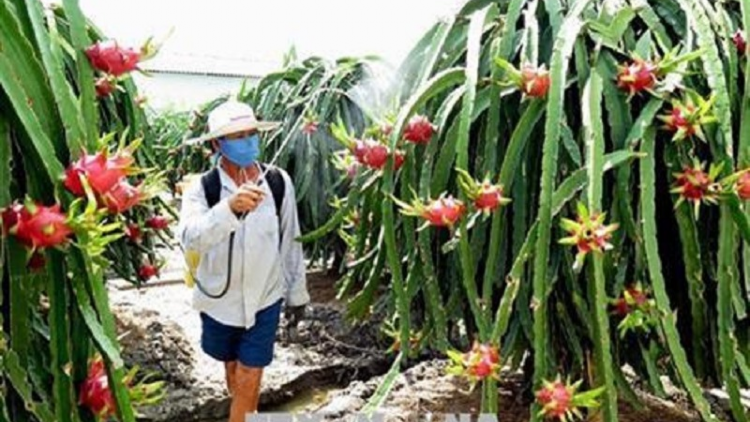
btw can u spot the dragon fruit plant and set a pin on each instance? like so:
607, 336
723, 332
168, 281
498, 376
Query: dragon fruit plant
74, 192
607, 104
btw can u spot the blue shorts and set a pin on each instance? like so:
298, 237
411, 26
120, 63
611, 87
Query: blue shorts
252, 347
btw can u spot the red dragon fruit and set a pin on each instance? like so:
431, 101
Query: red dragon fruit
535, 81
133, 232
482, 361
36, 226
43, 227
37, 261
109, 57
743, 186
309, 127
740, 42
620, 307
359, 149
479, 363
399, 158
563, 402
696, 186
588, 233
157, 222
419, 130
376, 156
444, 212
147, 272
638, 76
104, 87
95, 393
687, 119
677, 121
487, 197
101, 171
10, 217
693, 184
632, 298
635, 309
555, 398
121, 198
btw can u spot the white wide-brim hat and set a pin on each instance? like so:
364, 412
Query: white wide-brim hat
232, 117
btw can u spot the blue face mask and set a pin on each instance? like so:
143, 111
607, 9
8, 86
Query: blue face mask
242, 152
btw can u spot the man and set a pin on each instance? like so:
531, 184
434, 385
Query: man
241, 218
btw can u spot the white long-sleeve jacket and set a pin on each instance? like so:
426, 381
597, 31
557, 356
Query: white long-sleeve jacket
262, 271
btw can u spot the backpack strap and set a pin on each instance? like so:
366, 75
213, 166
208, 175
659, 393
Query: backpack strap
277, 185
211, 182
278, 189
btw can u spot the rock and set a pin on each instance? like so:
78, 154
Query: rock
155, 345
341, 406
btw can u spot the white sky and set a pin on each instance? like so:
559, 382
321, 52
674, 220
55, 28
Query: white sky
264, 30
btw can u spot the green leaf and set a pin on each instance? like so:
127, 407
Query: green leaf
594, 139
667, 316
80, 40
5, 163
384, 389
104, 343
59, 324
649, 16
24, 84
571, 147
476, 29
518, 141
15, 372
54, 65
434, 52
612, 31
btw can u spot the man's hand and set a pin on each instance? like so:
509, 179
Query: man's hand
293, 314
246, 199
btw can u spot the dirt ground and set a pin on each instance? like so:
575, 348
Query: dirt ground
321, 286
